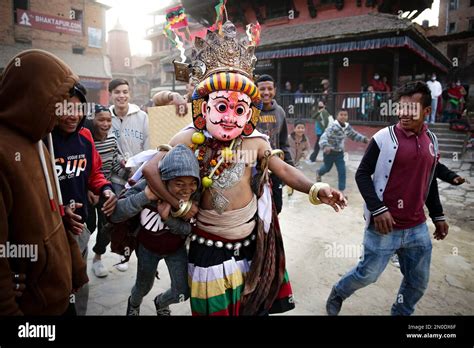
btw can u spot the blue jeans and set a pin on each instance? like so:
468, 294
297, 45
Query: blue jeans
338, 159
434, 106
177, 264
413, 246
81, 297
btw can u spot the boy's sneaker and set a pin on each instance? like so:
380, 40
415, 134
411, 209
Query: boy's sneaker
162, 312
122, 267
132, 311
334, 303
99, 269
394, 260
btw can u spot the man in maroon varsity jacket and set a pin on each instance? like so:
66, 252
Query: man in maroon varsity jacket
396, 178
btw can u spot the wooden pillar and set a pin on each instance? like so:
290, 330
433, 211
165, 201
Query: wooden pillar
279, 82
363, 77
396, 68
332, 85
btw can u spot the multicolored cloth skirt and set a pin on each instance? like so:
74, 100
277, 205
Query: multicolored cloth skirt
217, 269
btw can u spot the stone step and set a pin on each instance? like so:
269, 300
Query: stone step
450, 155
442, 143
450, 135
438, 126
468, 157
449, 141
453, 148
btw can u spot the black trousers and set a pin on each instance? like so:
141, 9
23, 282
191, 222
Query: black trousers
314, 155
97, 219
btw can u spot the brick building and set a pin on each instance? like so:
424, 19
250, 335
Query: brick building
74, 30
343, 41
454, 36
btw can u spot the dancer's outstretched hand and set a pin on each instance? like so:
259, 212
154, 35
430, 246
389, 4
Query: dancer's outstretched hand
332, 197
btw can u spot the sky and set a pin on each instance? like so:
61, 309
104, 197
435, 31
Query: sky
430, 14
134, 17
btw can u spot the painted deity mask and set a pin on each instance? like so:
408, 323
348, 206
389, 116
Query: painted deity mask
226, 114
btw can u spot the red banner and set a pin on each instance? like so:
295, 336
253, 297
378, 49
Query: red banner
41, 21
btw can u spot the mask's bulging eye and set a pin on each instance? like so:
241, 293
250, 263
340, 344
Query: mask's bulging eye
240, 110
221, 107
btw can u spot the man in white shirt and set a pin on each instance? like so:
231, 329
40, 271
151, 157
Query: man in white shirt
130, 126
436, 90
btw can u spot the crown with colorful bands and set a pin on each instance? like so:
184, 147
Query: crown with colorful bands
229, 81
226, 81
222, 63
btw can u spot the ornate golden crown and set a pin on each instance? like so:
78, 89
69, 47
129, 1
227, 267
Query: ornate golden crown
220, 62
218, 52
222, 53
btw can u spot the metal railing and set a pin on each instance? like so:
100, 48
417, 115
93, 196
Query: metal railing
363, 107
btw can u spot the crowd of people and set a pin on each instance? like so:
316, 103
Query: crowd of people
207, 203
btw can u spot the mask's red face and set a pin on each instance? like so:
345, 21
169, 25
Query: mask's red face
226, 114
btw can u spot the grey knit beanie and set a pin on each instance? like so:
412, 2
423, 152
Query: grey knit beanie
180, 161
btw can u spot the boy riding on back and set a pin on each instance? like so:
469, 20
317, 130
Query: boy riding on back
162, 233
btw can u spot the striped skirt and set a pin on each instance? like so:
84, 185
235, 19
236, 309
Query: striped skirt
217, 276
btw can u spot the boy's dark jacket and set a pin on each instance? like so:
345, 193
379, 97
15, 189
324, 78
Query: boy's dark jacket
30, 87
78, 165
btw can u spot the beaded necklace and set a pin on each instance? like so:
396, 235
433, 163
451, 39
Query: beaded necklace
214, 156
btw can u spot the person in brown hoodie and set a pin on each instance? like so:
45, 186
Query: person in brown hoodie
30, 209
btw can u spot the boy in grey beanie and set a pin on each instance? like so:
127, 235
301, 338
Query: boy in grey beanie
162, 232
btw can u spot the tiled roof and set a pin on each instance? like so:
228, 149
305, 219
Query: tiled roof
346, 27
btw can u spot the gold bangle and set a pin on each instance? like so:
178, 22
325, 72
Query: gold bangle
179, 212
189, 205
184, 208
164, 147
278, 152
313, 192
